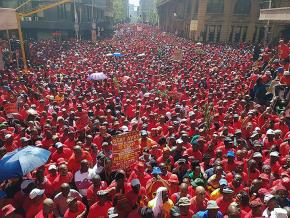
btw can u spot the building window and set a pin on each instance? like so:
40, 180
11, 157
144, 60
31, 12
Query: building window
215, 6
242, 7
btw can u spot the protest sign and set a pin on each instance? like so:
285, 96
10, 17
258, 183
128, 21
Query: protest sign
125, 150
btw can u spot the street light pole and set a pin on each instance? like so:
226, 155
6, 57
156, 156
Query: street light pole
76, 25
266, 34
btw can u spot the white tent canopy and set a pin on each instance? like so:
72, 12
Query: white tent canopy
8, 19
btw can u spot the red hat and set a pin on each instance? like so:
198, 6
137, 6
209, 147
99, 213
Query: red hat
8, 209
139, 166
173, 178
61, 161
279, 187
264, 176
263, 191
286, 182
256, 203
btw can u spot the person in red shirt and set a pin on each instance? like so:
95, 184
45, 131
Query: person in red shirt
101, 207
137, 195
236, 184
229, 164
283, 50
64, 176
37, 197
184, 206
47, 211
52, 173
256, 209
61, 152
75, 208
74, 162
140, 173
94, 188
199, 201
225, 200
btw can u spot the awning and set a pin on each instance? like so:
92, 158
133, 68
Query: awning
280, 14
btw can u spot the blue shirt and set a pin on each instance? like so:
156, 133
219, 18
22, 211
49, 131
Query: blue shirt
204, 214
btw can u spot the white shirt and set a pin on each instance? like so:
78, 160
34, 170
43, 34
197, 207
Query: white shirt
83, 181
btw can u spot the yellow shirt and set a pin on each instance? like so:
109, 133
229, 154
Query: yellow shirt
215, 194
165, 208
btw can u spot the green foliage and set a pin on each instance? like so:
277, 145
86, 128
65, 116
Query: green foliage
120, 10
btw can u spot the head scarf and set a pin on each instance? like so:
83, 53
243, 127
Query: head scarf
157, 201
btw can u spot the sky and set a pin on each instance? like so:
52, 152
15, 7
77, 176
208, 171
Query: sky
134, 2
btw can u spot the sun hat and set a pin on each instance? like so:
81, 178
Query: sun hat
211, 204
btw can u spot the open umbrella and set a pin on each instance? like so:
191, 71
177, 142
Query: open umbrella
117, 54
22, 161
97, 76
141, 55
109, 55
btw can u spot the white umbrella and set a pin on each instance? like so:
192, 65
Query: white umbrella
109, 55
141, 55
97, 76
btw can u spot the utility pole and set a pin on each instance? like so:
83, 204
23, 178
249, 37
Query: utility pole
77, 26
94, 25
266, 34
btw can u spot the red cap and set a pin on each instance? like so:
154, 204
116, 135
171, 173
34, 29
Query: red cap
279, 187
264, 176
256, 203
263, 191
8, 209
173, 178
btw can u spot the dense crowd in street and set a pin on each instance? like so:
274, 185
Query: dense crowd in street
214, 128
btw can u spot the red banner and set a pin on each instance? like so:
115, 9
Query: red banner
11, 108
125, 150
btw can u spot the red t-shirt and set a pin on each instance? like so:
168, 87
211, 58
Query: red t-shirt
223, 205
69, 214
33, 210
97, 211
40, 215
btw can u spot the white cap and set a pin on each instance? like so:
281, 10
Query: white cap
135, 182
191, 113
52, 167
277, 131
279, 213
25, 183
124, 128
257, 129
36, 192
257, 154
179, 141
268, 197
274, 154
270, 132
7, 136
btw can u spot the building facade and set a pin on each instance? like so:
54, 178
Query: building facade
220, 20
62, 21
148, 11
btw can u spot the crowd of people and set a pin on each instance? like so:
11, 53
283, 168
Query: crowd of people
214, 129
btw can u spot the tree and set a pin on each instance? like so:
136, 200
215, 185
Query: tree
119, 10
